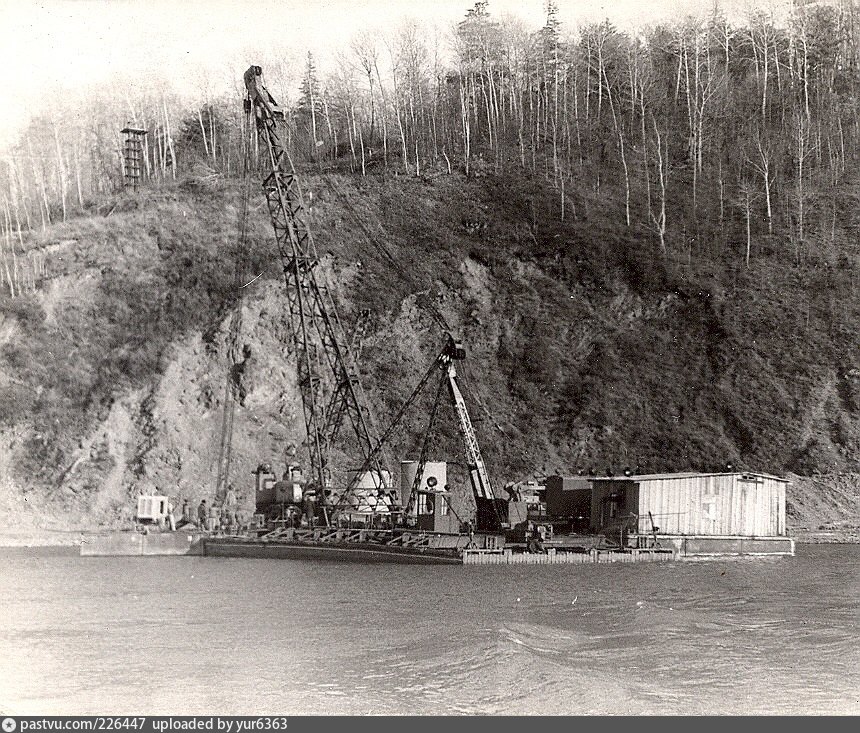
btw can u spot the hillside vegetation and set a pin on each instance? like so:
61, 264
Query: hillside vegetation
587, 348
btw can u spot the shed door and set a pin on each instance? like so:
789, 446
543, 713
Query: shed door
611, 508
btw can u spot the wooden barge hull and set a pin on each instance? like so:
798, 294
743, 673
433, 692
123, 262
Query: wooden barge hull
338, 552
138, 544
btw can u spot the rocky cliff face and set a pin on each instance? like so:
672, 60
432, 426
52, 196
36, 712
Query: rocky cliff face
587, 348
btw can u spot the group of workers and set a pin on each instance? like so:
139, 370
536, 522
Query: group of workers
210, 516
226, 517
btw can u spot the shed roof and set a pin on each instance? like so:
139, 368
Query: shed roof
683, 475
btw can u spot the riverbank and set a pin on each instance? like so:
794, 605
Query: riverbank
41, 537
826, 534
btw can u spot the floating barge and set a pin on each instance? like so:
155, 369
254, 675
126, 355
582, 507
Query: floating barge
355, 545
357, 552
416, 547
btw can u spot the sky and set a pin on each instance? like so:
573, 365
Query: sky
50, 49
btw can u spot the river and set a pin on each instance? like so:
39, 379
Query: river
222, 636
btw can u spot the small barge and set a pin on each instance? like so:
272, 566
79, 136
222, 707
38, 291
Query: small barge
133, 543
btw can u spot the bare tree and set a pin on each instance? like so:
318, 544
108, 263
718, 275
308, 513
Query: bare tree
762, 161
802, 150
746, 195
662, 165
365, 51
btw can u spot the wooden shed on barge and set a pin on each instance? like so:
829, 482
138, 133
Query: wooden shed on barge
717, 504
739, 512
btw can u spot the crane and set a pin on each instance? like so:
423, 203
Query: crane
317, 334
491, 512
314, 327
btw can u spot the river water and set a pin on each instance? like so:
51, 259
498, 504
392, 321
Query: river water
222, 636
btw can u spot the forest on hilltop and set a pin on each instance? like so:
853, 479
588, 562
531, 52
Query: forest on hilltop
714, 132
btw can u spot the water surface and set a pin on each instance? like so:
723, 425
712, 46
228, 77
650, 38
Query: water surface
223, 636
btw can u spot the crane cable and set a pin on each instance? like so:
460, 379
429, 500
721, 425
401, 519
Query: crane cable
225, 453
497, 425
330, 303
410, 278
386, 254
433, 311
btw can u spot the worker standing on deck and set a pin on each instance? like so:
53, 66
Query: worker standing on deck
230, 503
537, 535
214, 521
202, 514
310, 504
171, 518
258, 93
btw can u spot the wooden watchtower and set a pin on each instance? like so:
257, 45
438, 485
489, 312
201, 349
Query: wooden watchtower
132, 156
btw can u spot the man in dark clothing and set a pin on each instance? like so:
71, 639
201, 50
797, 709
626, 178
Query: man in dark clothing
259, 94
534, 540
202, 514
513, 492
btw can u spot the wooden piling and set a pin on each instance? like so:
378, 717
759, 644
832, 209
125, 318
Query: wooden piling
561, 557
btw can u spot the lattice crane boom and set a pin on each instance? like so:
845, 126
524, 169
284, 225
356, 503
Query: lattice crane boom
478, 476
313, 320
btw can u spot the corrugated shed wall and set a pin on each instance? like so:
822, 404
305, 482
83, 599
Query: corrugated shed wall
727, 504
